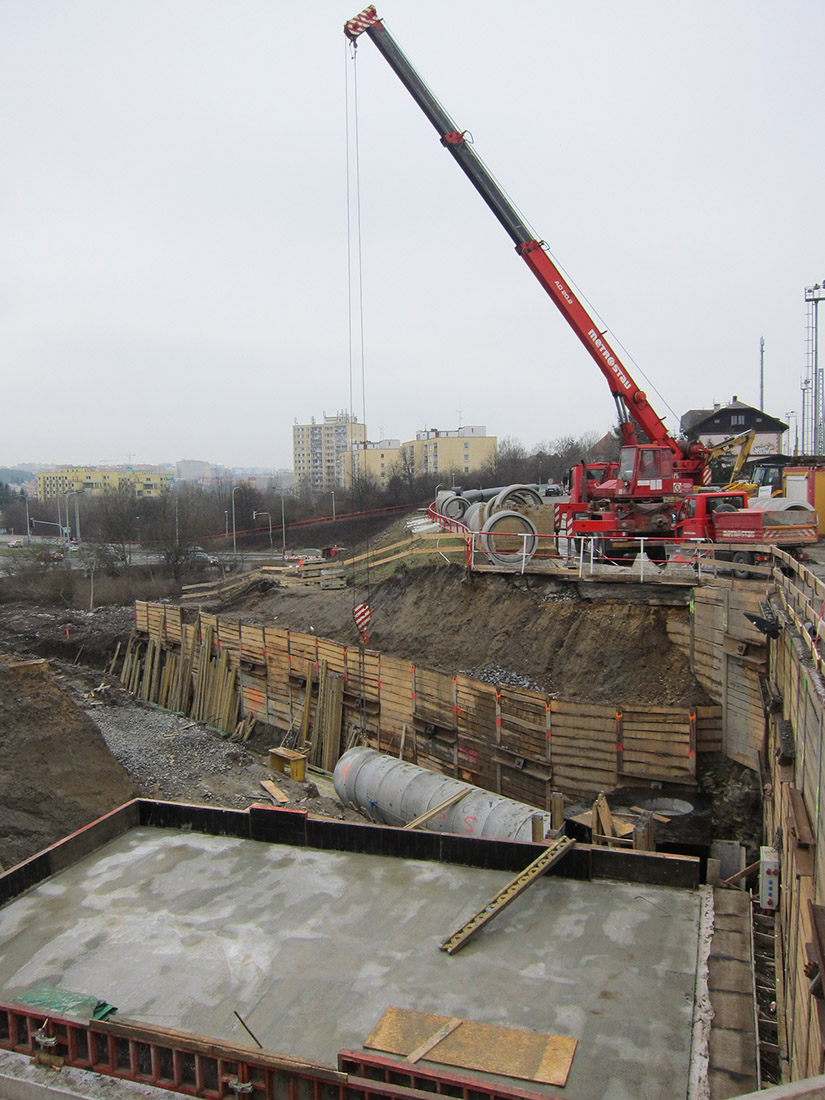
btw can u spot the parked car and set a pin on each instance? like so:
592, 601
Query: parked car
196, 555
50, 556
14, 544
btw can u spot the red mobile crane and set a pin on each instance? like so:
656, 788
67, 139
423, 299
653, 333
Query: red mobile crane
643, 493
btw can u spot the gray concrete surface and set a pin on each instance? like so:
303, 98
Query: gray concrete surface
180, 929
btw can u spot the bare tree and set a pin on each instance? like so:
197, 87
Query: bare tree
115, 513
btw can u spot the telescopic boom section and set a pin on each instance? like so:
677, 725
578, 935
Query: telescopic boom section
631, 402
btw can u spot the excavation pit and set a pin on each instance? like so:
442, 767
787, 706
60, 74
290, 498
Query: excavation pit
313, 932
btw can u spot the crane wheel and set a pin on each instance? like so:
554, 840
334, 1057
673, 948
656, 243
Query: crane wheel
742, 557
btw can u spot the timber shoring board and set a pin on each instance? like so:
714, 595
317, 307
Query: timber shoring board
505, 738
487, 1048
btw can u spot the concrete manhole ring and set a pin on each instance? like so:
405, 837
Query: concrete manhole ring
669, 807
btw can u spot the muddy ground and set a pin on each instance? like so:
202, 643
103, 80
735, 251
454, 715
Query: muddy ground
610, 649
74, 745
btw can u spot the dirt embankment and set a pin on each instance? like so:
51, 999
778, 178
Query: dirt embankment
57, 773
606, 650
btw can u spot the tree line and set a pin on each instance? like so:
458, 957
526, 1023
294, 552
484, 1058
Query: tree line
193, 514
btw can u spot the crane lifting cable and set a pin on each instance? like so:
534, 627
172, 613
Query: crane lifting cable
361, 611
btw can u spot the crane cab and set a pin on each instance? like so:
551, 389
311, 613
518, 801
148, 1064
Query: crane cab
647, 471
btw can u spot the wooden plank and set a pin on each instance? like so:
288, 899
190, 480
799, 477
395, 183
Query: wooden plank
274, 790
561, 707
422, 819
434, 1040
569, 751
739, 875
646, 771
595, 729
800, 822
671, 738
538, 725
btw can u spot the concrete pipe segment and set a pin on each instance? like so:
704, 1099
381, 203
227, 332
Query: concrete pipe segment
779, 504
453, 507
475, 515
514, 497
503, 538
395, 793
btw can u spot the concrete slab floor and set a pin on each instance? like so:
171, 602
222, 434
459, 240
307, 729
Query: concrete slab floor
179, 929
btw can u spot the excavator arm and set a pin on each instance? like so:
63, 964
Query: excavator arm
632, 405
744, 442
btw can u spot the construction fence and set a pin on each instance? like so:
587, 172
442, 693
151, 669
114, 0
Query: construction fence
515, 741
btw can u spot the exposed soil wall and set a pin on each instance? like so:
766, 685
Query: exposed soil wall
605, 650
57, 774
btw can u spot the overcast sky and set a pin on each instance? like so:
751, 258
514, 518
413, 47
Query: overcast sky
173, 217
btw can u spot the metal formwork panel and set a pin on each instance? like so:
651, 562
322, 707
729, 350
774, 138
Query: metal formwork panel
198, 1066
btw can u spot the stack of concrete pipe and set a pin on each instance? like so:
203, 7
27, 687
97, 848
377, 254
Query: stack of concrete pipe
500, 515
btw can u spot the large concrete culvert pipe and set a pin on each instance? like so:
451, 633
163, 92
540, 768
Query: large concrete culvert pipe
453, 507
509, 538
395, 793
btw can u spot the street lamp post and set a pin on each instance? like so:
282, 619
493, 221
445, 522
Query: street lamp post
234, 536
283, 525
73, 493
790, 414
814, 381
255, 516
333, 505
226, 523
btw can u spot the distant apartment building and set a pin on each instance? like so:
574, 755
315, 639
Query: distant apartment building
97, 480
194, 469
321, 450
450, 453
376, 461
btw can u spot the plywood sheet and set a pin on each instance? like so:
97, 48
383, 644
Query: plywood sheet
508, 1051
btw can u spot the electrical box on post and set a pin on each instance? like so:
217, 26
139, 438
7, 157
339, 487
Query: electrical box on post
768, 878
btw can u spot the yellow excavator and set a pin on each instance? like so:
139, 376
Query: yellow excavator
744, 442
765, 473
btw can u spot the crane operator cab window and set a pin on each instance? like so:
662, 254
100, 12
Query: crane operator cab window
652, 464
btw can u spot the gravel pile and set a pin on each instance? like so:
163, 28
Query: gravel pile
494, 674
172, 759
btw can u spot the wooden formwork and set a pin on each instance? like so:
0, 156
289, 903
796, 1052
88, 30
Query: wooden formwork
515, 741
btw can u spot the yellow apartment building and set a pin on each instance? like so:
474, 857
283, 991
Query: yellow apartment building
321, 450
450, 453
376, 461
96, 480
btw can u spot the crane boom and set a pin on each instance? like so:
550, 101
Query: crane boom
631, 402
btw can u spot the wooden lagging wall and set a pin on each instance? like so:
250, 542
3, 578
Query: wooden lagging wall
727, 655
515, 741
802, 858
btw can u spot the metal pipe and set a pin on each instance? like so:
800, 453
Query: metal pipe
395, 792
